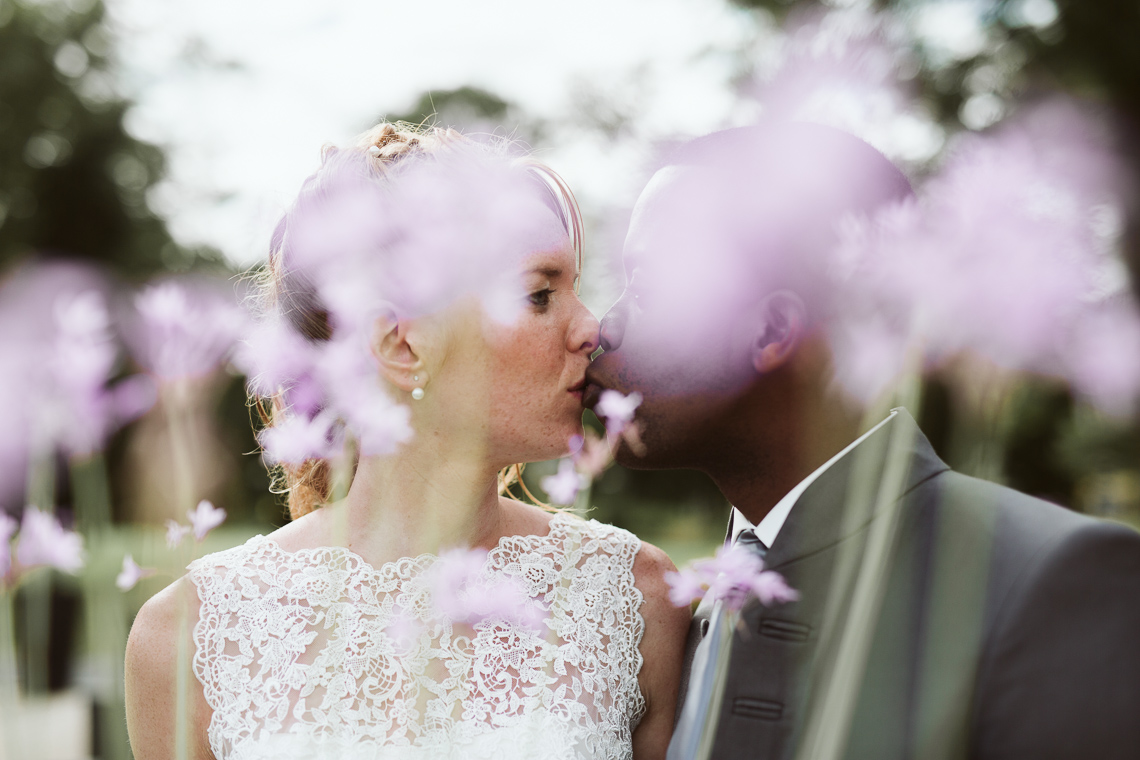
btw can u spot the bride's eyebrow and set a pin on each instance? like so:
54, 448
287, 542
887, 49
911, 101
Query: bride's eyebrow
552, 273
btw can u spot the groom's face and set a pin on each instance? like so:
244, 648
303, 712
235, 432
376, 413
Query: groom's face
673, 335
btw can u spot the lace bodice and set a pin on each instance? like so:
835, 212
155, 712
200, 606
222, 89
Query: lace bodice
296, 657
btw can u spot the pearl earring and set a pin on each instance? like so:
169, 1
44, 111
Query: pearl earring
417, 393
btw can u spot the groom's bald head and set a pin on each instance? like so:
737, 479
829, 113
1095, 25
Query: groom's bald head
727, 252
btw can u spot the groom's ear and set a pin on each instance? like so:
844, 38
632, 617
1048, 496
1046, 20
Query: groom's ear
781, 323
396, 345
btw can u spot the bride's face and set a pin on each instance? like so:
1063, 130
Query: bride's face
539, 363
514, 390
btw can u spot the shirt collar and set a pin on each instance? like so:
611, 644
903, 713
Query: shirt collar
772, 522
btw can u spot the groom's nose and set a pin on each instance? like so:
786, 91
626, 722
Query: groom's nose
612, 328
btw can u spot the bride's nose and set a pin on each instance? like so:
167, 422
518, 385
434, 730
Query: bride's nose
585, 335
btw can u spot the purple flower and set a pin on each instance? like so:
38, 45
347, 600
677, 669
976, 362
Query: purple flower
617, 409
462, 592
186, 331
274, 356
1103, 356
295, 439
8, 528
733, 576
771, 588
351, 380
43, 541
131, 574
563, 486
175, 532
419, 239
591, 454
686, 586
1001, 256
204, 518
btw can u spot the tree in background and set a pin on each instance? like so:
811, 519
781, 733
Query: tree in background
76, 181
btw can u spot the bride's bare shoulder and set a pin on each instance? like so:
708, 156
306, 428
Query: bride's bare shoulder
662, 651
152, 663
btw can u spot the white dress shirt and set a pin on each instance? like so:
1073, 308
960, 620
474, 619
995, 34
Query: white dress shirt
772, 522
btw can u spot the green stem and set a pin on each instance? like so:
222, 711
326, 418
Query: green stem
829, 722
9, 677
174, 404
91, 493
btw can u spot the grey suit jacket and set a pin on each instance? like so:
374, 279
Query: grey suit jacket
1010, 627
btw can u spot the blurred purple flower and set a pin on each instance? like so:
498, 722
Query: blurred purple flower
686, 586
563, 486
733, 576
175, 532
462, 592
131, 574
43, 541
771, 588
295, 439
351, 380
419, 239
204, 518
1002, 256
274, 356
61, 350
186, 330
1104, 356
617, 410
8, 528
591, 453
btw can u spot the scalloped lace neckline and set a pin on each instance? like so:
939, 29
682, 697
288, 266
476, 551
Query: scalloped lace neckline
559, 522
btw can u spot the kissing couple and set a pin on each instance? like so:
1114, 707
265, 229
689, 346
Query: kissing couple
427, 339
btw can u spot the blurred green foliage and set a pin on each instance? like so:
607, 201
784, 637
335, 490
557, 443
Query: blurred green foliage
75, 181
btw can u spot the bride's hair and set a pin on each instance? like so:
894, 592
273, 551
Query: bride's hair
289, 294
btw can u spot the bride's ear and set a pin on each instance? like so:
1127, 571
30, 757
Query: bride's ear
782, 320
397, 346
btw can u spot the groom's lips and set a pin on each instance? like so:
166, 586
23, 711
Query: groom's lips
591, 394
593, 390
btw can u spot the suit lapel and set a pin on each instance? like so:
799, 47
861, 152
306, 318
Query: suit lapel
840, 502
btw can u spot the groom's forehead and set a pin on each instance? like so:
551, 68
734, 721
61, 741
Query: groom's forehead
681, 204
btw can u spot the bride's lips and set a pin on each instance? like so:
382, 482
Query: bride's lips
577, 389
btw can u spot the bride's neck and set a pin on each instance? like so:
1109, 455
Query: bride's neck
426, 498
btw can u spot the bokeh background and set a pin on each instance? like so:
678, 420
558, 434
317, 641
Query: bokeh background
151, 137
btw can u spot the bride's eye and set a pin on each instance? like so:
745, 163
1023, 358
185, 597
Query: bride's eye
541, 298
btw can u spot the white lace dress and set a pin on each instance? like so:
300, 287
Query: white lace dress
293, 656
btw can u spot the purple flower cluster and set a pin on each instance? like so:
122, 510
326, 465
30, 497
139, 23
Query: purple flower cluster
591, 455
1008, 253
41, 541
462, 590
203, 519
65, 364
186, 329
733, 576
61, 352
